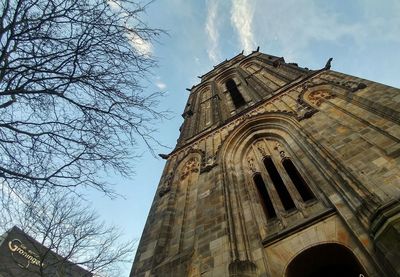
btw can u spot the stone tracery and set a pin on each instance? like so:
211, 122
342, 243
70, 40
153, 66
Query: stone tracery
192, 165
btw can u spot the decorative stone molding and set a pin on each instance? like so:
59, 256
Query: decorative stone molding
304, 110
192, 165
242, 268
261, 149
209, 164
166, 187
318, 97
352, 86
251, 164
279, 148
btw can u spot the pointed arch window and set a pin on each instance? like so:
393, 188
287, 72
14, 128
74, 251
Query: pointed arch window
236, 96
277, 184
280, 187
264, 196
298, 181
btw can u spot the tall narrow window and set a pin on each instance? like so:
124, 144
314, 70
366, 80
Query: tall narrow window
298, 181
235, 94
280, 187
264, 196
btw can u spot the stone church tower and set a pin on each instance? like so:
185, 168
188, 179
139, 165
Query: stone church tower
279, 171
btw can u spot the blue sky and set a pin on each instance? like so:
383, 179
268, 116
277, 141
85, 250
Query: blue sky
363, 37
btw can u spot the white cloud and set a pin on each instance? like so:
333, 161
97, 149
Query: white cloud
144, 47
161, 85
114, 4
212, 31
242, 20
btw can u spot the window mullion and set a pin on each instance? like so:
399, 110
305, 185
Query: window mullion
297, 180
287, 181
273, 194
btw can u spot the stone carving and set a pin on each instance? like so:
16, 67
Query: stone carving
261, 148
209, 164
163, 190
251, 165
304, 110
192, 165
319, 96
349, 85
166, 187
279, 148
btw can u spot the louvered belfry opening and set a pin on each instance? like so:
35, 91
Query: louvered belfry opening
235, 94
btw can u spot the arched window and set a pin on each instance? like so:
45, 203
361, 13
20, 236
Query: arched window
280, 187
330, 259
298, 181
264, 196
235, 94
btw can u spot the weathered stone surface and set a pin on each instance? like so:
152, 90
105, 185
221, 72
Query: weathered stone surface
229, 205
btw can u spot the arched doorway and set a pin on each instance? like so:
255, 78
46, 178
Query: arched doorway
328, 260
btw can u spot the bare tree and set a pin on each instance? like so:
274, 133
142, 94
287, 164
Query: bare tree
71, 97
72, 235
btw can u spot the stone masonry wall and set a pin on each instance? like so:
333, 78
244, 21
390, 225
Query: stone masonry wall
341, 131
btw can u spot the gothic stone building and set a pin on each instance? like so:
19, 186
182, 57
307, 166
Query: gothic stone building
279, 171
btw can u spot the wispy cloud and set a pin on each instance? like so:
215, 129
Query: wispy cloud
143, 46
161, 85
212, 31
242, 20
